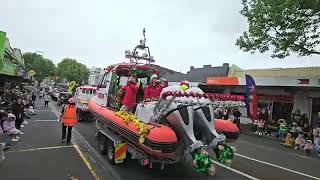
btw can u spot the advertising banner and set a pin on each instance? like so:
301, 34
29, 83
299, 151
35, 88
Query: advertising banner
8, 68
2, 44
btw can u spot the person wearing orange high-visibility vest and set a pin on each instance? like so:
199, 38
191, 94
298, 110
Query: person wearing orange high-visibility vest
68, 118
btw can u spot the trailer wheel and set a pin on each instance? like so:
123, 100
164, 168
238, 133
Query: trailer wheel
110, 152
102, 144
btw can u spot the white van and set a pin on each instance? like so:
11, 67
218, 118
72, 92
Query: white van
82, 96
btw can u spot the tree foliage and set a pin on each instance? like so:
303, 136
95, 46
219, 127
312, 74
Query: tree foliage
42, 66
283, 26
72, 70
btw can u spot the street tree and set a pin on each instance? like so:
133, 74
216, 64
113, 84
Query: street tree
72, 70
43, 67
282, 26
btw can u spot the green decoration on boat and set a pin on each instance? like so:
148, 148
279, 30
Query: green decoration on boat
115, 81
202, 161
142, 73
225, 153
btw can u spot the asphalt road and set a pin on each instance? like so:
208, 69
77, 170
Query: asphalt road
256, 158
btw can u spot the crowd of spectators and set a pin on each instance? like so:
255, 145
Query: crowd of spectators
16, 105
297, 132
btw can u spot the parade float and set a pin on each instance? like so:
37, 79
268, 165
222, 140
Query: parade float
179, 124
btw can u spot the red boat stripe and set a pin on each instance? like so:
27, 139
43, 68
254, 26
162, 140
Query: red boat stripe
121, 151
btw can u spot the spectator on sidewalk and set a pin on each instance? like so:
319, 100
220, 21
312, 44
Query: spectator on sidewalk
296, 116
273, 127
236, 115
317, 145
68, 118
9, 127
260, 127
304, 120
316, 125
18, 111
295, 130
33, 96
46, 100
299, 142
308, 147
283, 128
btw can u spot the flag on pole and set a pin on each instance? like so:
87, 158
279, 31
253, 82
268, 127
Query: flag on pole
251, 97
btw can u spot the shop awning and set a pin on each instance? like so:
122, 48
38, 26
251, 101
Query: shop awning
231, 81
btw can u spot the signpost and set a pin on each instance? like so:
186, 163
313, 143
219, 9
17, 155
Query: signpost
31, 73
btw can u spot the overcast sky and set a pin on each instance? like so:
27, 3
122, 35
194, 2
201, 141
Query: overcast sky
180, 33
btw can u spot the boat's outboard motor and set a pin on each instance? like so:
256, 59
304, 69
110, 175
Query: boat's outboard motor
181, 118
204, 124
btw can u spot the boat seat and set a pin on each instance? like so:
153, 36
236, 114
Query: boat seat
144, 111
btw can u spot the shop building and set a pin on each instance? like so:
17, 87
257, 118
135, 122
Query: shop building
279, 90
94, 76
12, 69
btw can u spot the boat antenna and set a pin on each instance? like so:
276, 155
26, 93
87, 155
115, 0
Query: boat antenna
144, 35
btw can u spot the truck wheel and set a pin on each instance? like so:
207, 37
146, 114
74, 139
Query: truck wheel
102, 144
111, 152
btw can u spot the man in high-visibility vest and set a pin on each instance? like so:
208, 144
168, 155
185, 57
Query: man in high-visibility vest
68, 118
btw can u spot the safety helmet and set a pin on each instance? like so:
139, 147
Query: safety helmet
10, 115
71, 101
185, 82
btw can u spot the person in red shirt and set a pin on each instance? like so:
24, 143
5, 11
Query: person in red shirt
130, 97
153, 90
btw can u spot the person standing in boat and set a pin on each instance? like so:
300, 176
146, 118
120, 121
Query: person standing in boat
130, 97
153, 90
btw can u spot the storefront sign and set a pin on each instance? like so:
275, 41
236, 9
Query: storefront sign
31, 72
266, 81
2, 44
8, 68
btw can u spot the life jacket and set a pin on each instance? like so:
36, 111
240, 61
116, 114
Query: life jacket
69, 117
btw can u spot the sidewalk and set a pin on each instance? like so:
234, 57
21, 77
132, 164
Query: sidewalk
246, 129
39, 154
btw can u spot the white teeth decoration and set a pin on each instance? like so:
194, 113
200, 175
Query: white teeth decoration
195, 96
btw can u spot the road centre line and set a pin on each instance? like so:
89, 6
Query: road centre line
280, 167
43, 120
43, 148
235, 171
86, 162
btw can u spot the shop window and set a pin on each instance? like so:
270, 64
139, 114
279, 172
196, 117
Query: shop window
282, 110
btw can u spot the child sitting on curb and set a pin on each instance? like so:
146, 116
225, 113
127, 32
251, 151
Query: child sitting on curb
5, 142
283, 128
260, 127
288, 141
308, 147
9, 127
317, 145
299, 142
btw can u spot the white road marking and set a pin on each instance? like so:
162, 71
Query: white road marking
280, 167
235, 171
43, 120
